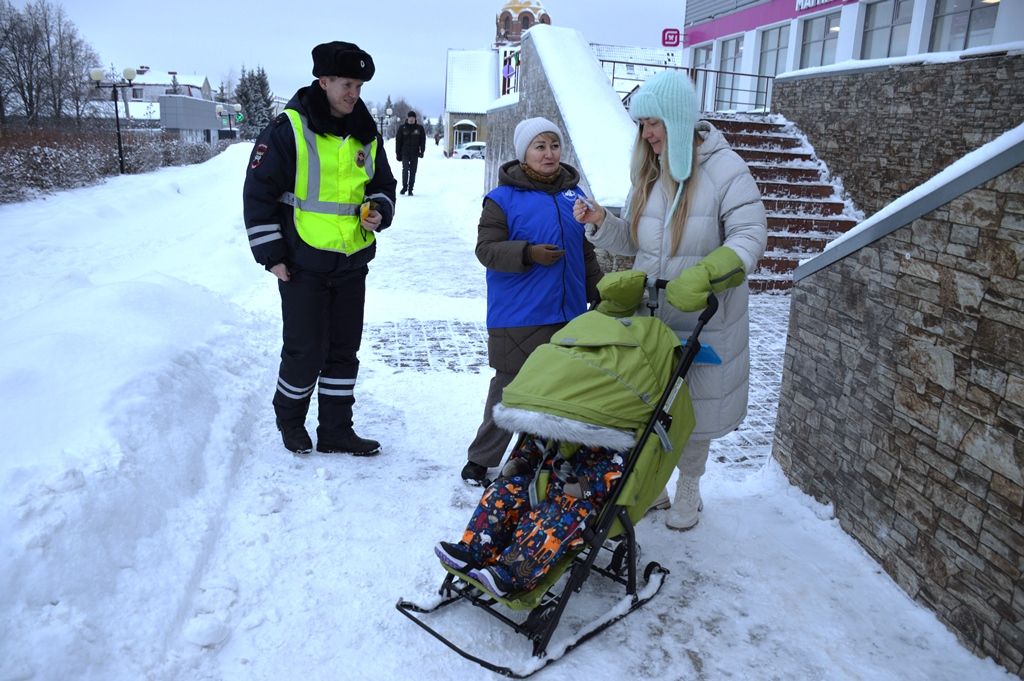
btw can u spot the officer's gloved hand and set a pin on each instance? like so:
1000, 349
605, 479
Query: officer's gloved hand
719, 270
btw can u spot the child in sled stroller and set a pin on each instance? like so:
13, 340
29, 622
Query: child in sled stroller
514, 538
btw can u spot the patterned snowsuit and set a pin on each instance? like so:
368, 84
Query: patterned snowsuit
523, 540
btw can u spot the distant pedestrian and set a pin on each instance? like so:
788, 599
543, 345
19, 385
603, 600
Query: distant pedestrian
437, 138
410, 143
318, 190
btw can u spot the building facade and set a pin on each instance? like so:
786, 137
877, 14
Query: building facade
754, 40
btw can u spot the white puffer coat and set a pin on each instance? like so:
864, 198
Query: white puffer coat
726, 210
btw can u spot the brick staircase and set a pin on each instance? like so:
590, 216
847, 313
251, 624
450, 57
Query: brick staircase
805, 209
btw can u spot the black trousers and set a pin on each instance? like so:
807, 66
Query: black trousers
409, 172
323, 327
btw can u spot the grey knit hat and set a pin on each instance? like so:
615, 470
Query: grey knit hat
527, 130
669, 97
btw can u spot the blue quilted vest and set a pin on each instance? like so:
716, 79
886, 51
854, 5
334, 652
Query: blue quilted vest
541, 295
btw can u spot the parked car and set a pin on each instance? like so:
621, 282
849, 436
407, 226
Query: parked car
470, 150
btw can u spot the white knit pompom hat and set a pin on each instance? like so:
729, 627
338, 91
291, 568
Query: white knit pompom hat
527, 130
669, 97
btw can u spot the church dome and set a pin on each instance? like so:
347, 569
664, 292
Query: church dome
515, 17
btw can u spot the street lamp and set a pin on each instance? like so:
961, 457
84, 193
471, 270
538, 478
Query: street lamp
382, 118
235, 110
129, 76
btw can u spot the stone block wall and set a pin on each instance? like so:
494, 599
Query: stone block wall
902, 404
887, 130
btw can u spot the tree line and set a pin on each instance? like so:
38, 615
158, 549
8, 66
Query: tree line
44, 64
44, 76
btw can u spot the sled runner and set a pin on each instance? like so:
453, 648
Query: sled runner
601, 373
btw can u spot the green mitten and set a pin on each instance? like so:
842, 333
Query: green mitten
621, 292
719, 270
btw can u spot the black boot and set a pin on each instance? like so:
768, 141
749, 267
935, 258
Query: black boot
347, 442
295, 438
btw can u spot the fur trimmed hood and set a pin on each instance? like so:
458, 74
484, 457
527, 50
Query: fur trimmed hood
561, 428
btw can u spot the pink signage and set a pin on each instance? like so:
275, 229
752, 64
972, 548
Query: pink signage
773, 12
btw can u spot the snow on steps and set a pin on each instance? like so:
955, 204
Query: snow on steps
806, 205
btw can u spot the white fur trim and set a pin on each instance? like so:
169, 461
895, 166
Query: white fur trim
561, 428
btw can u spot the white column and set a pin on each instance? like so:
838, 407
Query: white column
920, 26
850, 23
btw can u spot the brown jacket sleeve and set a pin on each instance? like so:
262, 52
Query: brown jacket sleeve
493, 248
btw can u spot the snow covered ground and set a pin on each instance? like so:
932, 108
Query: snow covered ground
152, 526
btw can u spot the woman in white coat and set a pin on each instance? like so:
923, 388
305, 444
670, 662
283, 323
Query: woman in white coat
693, 216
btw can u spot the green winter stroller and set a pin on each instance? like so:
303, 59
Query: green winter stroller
599, 375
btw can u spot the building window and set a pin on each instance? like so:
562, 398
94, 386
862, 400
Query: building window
819, 41
136, 93
525, 21
960, 24
774, 50
886, 29
701, 75
729, 61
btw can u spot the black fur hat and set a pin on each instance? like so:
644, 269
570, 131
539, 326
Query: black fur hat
342, 59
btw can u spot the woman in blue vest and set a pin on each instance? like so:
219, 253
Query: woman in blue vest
541, 270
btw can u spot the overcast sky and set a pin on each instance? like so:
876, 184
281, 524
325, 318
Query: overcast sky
408, 41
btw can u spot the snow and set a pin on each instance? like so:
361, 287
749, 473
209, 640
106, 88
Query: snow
152, 526
471, 83
922, 58
600, 128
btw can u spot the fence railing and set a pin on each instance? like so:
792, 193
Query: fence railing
716, 90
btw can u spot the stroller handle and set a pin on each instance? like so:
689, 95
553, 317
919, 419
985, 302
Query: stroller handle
708, 311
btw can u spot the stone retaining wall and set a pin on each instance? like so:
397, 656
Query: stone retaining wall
885, 131
902, 404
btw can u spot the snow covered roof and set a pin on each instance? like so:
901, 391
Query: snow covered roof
166, 78
634, 54
601, 130
471, 83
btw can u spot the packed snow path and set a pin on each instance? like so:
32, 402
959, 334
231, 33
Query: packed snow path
153, 527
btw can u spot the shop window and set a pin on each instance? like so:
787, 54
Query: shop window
886, 29
729, 60
774, 51
702, 76
820, 36
959, 24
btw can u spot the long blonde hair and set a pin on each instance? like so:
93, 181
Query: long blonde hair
645, 169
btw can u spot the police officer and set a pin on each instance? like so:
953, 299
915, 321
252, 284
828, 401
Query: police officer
410, 143
318, 191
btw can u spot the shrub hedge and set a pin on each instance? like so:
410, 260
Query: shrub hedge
37, 161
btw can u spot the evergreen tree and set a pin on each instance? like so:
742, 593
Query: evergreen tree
253, 93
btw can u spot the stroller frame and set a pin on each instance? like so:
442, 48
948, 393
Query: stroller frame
541, 622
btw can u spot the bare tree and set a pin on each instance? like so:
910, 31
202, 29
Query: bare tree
43, 61
20, 64
7, 15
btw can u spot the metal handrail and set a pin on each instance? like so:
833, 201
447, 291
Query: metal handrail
716, 90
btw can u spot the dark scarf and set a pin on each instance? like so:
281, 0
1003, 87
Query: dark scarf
537, 177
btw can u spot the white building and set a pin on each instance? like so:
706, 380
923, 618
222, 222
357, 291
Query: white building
749, 41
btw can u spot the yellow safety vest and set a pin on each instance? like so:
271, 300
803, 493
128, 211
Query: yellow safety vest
331, 173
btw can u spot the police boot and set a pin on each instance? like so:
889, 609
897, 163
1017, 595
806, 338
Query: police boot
347, 442
295, 438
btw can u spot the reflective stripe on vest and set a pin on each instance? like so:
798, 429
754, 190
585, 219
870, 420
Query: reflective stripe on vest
330, 177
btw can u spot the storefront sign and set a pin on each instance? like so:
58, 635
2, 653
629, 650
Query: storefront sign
802, 5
